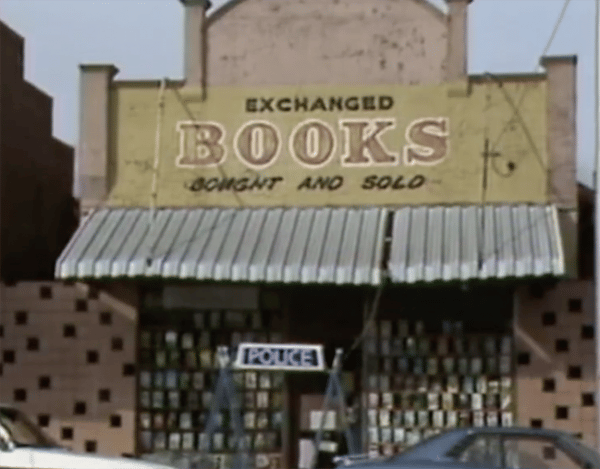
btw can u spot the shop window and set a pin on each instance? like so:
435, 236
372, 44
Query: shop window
81, 306
43, 420
66, 433
562, 413
92, 356
44, 382
33, 344
574, 372
575, 305
104, 395
106, 318
8, 356
91, 446
79, 408
549, 385
549, 318
562, 345
20, 395
536, 423
178, 356
587, 332
587, 399
45, 292
21, 318
69, 330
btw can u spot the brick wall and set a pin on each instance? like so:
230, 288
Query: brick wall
36, 205
67, 355
556, 358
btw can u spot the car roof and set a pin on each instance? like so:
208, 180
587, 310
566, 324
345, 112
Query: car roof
445, 441
526, 431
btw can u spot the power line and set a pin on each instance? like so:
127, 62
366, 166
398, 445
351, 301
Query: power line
559, 21
516, 114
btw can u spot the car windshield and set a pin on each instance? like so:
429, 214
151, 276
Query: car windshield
21, 431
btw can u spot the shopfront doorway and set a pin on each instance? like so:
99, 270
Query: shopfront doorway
332, 317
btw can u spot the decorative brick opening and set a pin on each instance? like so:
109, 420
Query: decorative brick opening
549, 318
574, 372
115, 421
587, 332
104, 395
93, 293
43, 420
33, 344
69, 330
587, 400
21, 318
8, 356
562, 345
523, 358
45, 292
91, 446
549, 385
562, 413
92, 356
117, 343
549, 452
575, 305
106, 318
128, 369
44, 382
79, 408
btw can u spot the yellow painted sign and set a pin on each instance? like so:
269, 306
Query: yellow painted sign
314, 146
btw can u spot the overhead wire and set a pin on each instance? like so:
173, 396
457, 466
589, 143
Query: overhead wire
516, 114
559, 21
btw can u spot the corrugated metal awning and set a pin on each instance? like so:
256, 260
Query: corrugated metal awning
326, 245
473, 242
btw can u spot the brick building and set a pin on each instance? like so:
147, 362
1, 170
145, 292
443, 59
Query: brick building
37, 211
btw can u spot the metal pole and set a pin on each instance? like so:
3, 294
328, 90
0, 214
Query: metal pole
597, 218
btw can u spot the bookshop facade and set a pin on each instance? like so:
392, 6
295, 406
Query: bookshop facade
382, 202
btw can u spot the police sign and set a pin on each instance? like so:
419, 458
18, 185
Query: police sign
290, 357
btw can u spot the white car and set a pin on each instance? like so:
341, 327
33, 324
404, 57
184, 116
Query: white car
24, 445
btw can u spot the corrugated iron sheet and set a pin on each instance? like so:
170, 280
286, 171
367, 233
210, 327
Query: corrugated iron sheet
473, 242
326, 245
